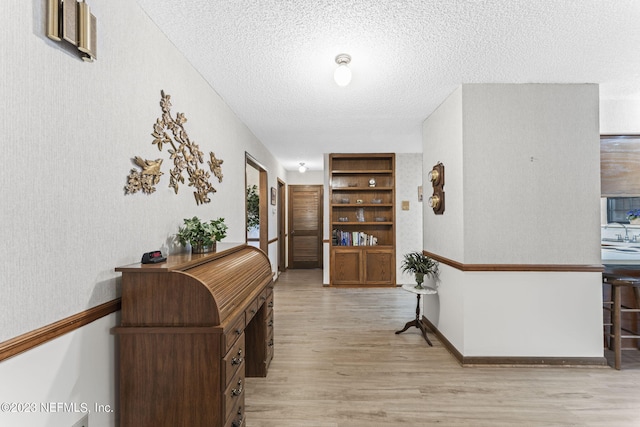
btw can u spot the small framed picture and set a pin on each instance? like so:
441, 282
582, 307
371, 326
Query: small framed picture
273, 195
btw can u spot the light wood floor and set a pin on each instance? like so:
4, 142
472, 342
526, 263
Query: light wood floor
338, 363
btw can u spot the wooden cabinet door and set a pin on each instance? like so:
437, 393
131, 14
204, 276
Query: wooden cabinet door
346, 266
379, 267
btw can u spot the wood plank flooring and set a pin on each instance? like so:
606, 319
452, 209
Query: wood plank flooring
338, 363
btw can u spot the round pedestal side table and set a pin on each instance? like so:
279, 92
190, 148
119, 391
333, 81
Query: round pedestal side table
424, 290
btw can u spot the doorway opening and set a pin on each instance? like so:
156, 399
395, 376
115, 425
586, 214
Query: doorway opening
256, 204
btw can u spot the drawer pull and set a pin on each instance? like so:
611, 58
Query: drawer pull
238, 422
270, 305
270, 342
262, 298
253, 311
237, 391
238, 359
238, 331
270, 324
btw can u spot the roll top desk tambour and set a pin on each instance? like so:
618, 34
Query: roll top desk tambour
191, 330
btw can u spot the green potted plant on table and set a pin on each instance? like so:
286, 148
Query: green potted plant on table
419, 265
202, 236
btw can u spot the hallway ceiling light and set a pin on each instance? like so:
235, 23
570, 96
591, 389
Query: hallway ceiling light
342, 75
302, 168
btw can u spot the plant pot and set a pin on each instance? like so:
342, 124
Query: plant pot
634, 221
419, 280
201, 249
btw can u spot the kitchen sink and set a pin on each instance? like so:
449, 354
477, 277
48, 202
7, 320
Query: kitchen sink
623, 252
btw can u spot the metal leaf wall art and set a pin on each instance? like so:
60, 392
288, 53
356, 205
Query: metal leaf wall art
186, 156
216, 166
146, 179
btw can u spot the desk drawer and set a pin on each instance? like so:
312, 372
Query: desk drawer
251, 310
237, 418
269, 322
269, 303
234, 392
269, 346
233, 360
263, 296
233, 333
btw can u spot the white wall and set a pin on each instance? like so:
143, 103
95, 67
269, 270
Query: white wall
307, 178
513, 210
442, 142
76, 369
408, 222
619, 117
70, 130
531, 171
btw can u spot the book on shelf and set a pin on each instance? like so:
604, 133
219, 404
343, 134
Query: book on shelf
353, 238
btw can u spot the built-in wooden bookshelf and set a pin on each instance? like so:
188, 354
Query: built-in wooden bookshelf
362, 205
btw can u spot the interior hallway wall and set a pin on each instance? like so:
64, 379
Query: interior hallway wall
522, 188
71, 129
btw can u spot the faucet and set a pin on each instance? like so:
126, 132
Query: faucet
626, 231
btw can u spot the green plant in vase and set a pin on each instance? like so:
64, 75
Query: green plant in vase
202, 236
420, 266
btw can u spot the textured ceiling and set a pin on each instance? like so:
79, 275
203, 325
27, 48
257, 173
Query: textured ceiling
272, 60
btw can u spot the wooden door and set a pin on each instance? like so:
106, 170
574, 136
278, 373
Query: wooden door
305, 226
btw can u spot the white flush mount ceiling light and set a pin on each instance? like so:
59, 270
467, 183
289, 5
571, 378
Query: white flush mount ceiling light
302, 168
342, 75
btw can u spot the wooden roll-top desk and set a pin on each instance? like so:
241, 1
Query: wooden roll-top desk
191, 330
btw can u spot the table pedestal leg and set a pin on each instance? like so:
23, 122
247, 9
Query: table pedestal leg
417, 323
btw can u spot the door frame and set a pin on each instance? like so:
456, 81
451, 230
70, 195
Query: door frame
282, 226
263, 194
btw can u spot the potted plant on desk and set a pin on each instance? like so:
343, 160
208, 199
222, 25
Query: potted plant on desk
419, 265
202, 235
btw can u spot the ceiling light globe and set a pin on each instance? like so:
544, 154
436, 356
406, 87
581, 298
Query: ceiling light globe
342, 75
